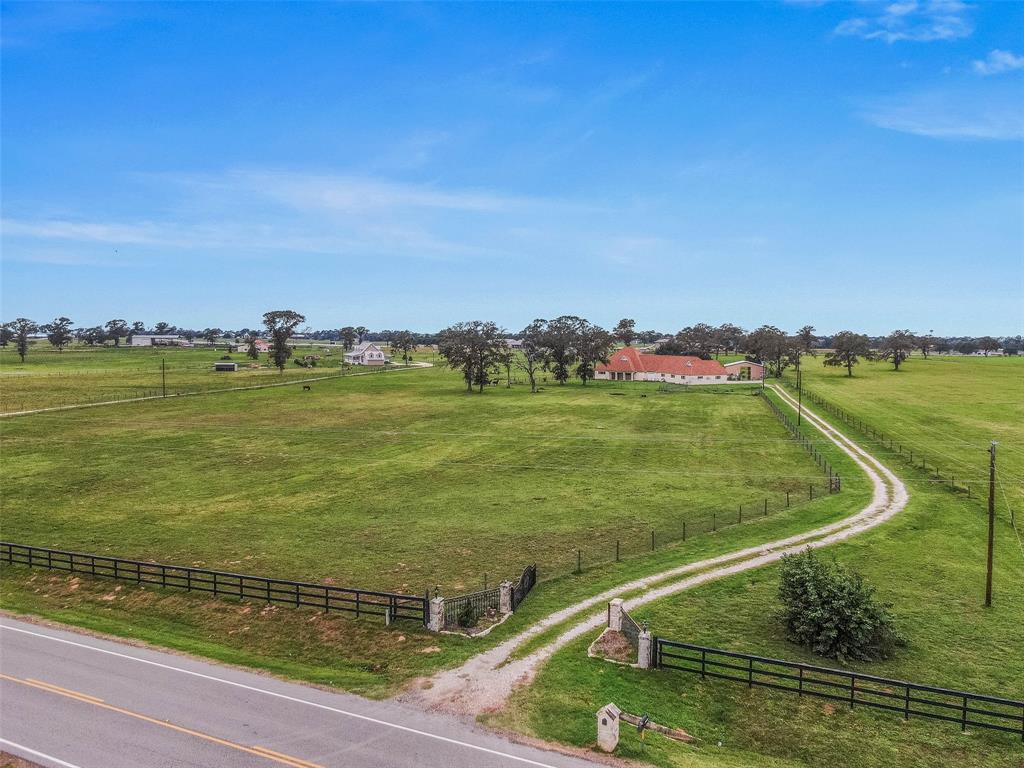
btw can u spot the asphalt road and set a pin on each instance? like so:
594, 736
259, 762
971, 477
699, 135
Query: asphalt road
72, 700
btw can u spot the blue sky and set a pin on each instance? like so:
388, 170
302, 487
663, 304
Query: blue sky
848, 165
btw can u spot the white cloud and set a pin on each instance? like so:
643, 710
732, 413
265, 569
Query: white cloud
916, 20
998, 62
964, 114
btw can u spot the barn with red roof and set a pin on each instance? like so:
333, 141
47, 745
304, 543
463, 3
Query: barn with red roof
631, 364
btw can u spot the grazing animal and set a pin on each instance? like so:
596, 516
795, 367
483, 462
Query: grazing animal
305, 387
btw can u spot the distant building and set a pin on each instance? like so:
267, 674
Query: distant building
745, 370
514, 343
630, 364
158, 340
366, 353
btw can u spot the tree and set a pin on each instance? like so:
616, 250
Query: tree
161, 328
473, 348
967, 346
625, 331
1013, 345
137, 327
988, 344
281, 325
847, 349
805, 338
728, 337
58, 332
506, 358
92, 336
348, 337
833, 611
21, 329
212, 334
770, 346
115, 330
800, 344
404, 342
698, 340
361, 331
925, 342
6, 334
561, 338
593, 344
535, 354
897, 347
251, 350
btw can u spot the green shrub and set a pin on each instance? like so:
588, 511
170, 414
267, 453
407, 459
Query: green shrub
830, 610
468, 616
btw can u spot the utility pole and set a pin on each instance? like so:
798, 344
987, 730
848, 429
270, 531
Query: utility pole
991, 520
163, 374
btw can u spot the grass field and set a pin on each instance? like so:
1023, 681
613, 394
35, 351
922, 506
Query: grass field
946, 409
399, 481
928, 562
82, 374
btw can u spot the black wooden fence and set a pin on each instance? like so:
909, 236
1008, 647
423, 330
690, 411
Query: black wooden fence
853, 688
391, 605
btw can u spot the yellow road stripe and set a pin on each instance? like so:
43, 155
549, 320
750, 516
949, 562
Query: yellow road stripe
85, 698
298, 760
58, 689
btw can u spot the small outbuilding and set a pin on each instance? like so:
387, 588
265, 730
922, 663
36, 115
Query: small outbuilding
224, 365
745, 370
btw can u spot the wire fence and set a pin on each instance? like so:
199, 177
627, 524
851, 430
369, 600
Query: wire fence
63, 390
911, 456
805, 442
703, 523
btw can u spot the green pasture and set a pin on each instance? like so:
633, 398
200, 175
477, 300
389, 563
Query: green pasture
944, 409
82, 374
399, 481
929, 563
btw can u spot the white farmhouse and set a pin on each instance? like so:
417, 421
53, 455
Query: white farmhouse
366, 353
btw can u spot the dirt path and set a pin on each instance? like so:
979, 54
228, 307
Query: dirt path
74, 406
485, 681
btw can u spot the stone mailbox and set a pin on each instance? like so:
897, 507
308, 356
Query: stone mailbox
608, 718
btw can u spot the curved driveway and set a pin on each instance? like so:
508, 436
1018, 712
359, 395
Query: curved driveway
485, 681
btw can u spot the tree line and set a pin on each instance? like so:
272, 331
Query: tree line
566, 346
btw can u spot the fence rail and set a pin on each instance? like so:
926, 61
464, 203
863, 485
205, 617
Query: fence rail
391, 605
853, 688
